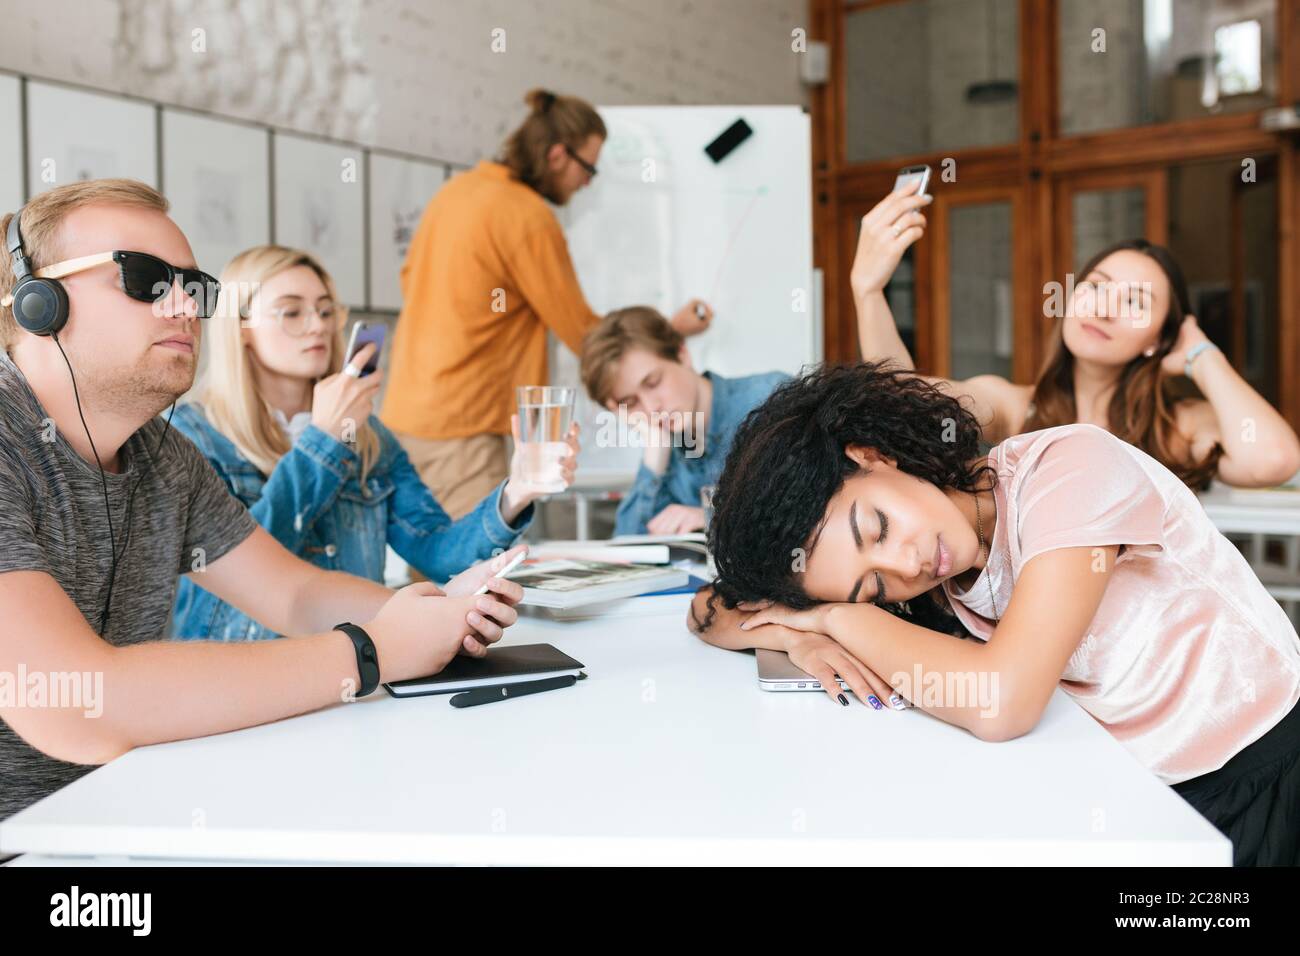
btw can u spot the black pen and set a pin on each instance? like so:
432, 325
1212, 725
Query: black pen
486, 695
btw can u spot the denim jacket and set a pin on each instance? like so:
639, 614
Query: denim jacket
733, 399
314, 504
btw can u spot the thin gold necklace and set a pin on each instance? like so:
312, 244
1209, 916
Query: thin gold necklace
988, 572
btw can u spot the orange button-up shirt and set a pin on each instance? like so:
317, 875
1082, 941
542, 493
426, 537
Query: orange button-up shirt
487, 273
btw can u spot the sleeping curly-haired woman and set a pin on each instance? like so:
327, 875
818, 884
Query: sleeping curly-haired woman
856, 503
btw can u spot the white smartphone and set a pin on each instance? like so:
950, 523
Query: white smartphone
517, 560
911, 173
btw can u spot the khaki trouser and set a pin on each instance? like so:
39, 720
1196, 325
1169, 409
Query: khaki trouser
459, 471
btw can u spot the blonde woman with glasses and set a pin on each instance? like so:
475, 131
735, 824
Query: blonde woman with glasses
289, 428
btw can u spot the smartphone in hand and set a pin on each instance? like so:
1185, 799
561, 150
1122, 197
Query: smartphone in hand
363, 334
911, 173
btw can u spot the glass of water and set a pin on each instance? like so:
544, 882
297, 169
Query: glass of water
545, 412
706, 502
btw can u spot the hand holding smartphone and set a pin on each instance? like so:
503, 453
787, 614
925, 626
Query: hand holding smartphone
910, 174
892, 225
363, 334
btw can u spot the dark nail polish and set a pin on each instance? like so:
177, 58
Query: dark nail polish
874, 701
843, 700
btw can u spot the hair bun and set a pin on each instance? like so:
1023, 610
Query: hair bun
539, 100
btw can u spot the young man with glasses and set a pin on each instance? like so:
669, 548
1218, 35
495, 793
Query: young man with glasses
102, 507
487, 274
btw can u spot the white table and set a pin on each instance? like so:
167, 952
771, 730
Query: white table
668, 754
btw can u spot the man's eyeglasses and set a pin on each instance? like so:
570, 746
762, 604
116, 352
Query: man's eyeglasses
590, 169
144, 278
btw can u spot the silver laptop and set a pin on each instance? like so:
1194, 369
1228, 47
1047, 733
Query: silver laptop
775, 672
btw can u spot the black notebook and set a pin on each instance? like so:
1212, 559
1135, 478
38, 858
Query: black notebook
502, 665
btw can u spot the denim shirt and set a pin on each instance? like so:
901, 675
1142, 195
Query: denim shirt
733, 399
314, 504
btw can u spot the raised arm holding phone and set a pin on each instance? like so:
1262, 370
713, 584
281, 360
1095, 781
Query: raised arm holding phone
1126, 331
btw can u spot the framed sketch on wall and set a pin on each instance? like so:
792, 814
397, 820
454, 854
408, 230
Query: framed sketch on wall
11, 144
218, 178
400, 188
320, 207
74, 135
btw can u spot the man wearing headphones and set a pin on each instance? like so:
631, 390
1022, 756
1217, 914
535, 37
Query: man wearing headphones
102, 506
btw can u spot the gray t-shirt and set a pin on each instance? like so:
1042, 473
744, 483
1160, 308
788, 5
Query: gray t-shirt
52, 520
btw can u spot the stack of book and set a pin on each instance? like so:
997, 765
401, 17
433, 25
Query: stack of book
628, 576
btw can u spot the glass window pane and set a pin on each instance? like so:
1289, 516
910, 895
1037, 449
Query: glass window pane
900, 293
1223, 231
928, 75
1133, 62
1105, 216
980, 327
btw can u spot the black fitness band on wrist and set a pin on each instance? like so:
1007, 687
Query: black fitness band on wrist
367, 657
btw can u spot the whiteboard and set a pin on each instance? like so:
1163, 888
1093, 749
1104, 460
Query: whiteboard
400, 188
216, 175
662, 223
320, 208
11, 144
73, 135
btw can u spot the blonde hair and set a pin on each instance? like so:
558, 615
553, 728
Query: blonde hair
636, 327
41, 219
552, 119
228, 392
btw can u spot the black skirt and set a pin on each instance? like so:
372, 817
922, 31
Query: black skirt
1254, 798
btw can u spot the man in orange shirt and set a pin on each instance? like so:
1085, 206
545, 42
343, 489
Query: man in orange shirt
487, 273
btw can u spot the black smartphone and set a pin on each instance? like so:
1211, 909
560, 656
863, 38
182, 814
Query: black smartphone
364, 333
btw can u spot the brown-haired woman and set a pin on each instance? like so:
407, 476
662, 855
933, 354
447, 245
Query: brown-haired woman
1126, 331
487, 273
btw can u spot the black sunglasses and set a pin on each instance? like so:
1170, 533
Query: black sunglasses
147, 278
591, 170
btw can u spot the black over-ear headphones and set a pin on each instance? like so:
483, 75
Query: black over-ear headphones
40, 305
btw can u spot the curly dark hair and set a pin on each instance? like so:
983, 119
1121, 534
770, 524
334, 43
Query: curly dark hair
787, 461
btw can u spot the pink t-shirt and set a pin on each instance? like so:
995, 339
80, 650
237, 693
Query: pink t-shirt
1188, 659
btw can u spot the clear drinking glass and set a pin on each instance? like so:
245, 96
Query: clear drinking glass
706, 502
545, 412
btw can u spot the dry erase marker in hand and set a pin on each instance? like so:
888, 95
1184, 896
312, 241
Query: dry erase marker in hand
517, 560
700, 312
